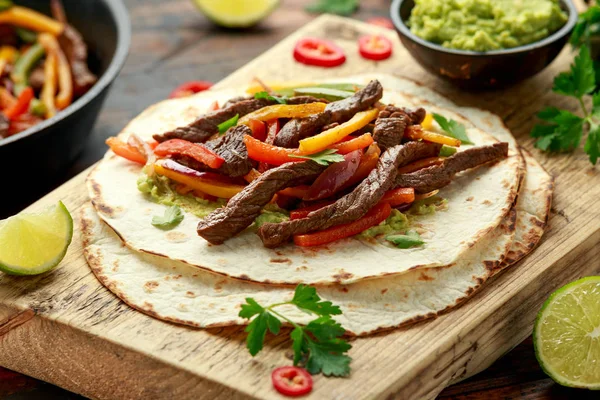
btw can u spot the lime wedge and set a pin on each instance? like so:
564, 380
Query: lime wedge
35, 243
236, 13
567, 334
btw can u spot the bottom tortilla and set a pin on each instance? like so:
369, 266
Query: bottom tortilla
179, 293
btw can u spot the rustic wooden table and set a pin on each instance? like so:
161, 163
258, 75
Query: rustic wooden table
172, 43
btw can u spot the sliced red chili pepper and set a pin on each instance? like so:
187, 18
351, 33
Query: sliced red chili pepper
259, 131
304, 211
319, 52
22, 104
196, 151
381, 21
334, 177
378, 214
190, 88
292, 381
125, 150
375, 47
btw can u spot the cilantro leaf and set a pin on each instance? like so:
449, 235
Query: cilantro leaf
250, 309
325, 328
340, 7
563, 134
324, 157
411, 239
307, 299
592, 144
297, 336
328, 358
171, 218
586, 26
580, 80
266, 95
452, 128
257, 329
223, 127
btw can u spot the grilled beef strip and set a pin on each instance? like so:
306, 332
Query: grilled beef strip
438, 176
391, 123
243, 208
355, 204
337, 111
207, 125
76, 51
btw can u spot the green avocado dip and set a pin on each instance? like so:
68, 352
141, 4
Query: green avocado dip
484, 25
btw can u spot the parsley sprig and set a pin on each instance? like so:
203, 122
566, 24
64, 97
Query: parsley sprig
453, 128
564, 130
319, 342
170, 219
324, 157
266, 95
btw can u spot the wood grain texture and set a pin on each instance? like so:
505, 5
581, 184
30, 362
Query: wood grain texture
77, 334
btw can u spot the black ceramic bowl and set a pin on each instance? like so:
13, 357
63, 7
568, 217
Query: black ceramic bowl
45, 150
475, 70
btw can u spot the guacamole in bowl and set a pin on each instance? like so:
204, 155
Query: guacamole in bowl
485, 25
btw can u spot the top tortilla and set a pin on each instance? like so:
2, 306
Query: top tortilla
478, 200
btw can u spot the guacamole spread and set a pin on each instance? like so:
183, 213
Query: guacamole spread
484, 25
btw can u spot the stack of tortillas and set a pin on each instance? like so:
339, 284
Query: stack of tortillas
495, 215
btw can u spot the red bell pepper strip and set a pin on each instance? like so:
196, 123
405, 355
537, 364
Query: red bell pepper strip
125, 150
348, 146
335, 177
259, 131
378, 214
318, 52
382, 22
375, 47
196, 151
304, 211
420, 164
22, 104
395, 197
190, 88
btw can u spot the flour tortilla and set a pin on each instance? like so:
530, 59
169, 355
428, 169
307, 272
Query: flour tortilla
477, 202
179, 293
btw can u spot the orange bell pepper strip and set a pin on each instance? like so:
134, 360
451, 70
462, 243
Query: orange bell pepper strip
283, 111
198, 152
64, 98
354, 144
22, 104
378, 214
196, 180
30, 19
214, 106
49, 88
296, 191
331, 136
258, 128
414, 132
395, 197
420, 164
125, 150
7, 100
267, 153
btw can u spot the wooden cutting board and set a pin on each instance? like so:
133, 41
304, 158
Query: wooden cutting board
65, 328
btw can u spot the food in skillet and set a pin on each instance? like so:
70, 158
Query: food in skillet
43, 66
327, 163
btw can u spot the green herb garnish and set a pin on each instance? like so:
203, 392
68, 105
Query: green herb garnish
223, 127
319, 342
340, 7
447, 151
266, 95
172, 217
587, 26
452, 128
324, 157
411, 239
563, 130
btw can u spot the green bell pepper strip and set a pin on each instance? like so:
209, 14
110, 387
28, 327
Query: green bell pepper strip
24, 65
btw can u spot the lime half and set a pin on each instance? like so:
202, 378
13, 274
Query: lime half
32, 244
566, 335
236, 13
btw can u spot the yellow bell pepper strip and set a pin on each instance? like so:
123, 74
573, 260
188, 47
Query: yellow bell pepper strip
427, 123
64, 97
283, 111
8, 55
321, 141
30, 19
414, 132
201, 181
49, 88
24, 65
